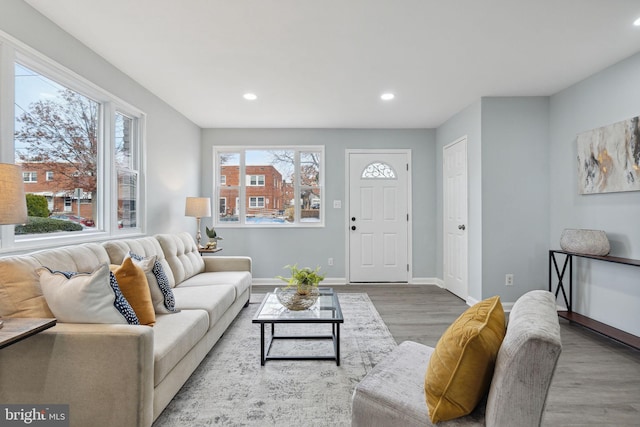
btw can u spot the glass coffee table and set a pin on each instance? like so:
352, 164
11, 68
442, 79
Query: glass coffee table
325, 311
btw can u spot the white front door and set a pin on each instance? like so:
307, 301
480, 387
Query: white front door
378, 221
455, 217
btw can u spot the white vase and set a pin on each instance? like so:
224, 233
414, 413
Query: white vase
587, 242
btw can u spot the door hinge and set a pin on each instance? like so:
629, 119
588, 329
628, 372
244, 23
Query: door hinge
407, 217
407, 268
407, 167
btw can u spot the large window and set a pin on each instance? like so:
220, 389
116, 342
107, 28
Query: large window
274, 186
79, 148
126, 170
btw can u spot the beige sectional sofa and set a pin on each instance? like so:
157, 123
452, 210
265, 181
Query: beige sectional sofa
117, 374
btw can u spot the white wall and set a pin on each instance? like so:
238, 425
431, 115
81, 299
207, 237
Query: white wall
272, 248
606, 292
173, 142
515, 195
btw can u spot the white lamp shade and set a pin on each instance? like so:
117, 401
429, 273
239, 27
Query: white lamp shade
200, 207
13, 206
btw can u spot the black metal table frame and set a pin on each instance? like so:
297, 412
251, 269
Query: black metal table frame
334, 336
560, 274
568, 260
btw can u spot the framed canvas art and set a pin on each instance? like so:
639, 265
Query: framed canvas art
609, 158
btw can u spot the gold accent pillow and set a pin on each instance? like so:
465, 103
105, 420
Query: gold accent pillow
134, 287
461, 366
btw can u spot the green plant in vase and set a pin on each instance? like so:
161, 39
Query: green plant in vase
303, 279
301, 292
213, 238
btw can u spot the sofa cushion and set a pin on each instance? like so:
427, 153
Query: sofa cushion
86, 297
215, 300
460, 370
118, 250
158, 281
174, 336
20, 291
240, 280
181, 252
134, 287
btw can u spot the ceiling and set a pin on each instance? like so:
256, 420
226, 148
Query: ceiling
325, 63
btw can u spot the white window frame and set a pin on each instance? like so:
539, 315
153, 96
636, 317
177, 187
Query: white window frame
243, 184
223, 180
12, 51
256, 202
49, 176
257, 182
29, 177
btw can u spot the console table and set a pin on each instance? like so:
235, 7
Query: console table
602, 328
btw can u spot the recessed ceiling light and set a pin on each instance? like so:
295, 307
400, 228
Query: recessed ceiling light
637, 22
250, 96
387, 96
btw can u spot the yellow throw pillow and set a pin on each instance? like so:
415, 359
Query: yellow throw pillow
134, 287
461, 366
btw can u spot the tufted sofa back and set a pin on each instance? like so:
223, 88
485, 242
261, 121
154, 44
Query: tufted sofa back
143, 246
181, 252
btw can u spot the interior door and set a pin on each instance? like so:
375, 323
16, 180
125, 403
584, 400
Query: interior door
378, 217
455, 218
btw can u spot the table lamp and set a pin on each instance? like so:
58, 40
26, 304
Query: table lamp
13, 205
199, 207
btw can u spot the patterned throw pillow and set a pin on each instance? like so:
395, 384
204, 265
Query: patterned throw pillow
86, 297
161, 293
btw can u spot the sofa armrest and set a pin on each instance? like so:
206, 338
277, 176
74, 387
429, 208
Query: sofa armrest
103, 372
227, 263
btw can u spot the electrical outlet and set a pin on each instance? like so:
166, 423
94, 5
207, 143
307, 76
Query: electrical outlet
508, 280
330, 261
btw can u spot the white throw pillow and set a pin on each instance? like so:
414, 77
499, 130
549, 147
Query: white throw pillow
86, 297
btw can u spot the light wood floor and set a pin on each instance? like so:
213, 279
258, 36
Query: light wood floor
597, 381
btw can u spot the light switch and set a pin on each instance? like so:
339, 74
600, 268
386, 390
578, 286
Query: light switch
337, 204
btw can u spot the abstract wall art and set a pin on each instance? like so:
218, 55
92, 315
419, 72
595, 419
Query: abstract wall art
609, 158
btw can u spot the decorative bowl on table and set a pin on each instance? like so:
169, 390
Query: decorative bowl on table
301, 291
291, 299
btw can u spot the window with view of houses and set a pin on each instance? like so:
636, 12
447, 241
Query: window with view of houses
269, 186
65, 130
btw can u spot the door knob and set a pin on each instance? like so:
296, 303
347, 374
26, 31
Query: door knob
353, 218
462, 227
353, 227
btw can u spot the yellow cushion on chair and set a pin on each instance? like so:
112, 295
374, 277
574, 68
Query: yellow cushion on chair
461, 367
135, 288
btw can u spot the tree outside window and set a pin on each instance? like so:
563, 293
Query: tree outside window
56, 133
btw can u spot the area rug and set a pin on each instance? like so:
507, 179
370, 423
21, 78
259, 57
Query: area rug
231, 388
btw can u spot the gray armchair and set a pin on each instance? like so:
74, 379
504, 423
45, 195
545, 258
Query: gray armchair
392, 394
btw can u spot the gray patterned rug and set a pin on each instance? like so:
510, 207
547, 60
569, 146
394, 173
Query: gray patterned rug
230, 388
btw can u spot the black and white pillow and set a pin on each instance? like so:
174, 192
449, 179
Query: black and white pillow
86, 297
161, 293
